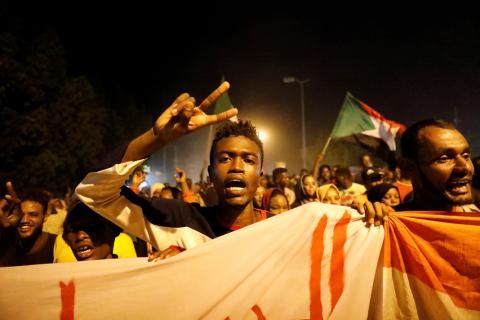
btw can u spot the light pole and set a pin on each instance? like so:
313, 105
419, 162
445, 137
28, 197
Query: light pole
302, 105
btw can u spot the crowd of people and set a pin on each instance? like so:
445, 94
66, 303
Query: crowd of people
108, 218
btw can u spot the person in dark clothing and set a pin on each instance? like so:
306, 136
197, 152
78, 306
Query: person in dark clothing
236, 159
22, 241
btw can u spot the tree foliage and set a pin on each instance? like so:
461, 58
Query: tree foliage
52, 126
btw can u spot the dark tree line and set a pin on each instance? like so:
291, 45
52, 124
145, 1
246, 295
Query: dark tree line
52, 126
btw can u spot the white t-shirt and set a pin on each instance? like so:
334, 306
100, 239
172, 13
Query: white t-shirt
348, 196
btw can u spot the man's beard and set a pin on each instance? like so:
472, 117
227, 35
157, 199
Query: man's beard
458, 199
445, 194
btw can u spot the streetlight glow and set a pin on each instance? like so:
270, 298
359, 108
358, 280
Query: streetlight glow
262, 135
289, 79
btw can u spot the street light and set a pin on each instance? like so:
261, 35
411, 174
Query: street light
262, 135
302, 104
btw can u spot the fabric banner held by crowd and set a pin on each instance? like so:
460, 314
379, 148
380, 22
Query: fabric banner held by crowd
314, 262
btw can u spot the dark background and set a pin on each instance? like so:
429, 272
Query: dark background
408, 63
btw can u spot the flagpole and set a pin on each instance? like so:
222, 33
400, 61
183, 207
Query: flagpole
324, 150
206, 159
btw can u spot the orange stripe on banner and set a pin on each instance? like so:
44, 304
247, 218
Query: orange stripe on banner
67, 293
258, 312
441, 250
337, 274
316, 253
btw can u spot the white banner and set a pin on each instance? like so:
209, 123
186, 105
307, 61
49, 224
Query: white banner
314, 262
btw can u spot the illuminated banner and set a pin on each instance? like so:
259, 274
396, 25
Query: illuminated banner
314, 262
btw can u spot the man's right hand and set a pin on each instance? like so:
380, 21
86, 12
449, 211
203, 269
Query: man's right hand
10, 213
376, 213
179, 119
183, 117
181, 176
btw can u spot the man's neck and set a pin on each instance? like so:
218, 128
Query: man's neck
429, 202
238, 215
34, 244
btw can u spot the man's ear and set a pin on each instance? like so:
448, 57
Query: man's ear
210, 172
409, 167
258, 180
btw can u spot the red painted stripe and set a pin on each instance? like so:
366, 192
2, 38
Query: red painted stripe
316, 253
337, 271
67, 293
258, 312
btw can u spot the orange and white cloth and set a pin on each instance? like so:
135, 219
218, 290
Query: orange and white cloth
314, 262
431, 267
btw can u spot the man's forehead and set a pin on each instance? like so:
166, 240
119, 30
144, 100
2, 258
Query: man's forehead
237, 144
31, 204
433, 139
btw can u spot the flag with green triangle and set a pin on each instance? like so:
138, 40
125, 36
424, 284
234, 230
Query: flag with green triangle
357, 118
223, 103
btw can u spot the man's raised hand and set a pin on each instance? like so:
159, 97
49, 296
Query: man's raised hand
183, 116
10, 213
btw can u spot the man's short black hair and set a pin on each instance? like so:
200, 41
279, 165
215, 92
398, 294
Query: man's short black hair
35, 194
325, 166
410, 139
176, 193
241, 128
343, 172
277, 172
79, 210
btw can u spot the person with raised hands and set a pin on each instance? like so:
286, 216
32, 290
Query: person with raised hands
22, 241
236, 159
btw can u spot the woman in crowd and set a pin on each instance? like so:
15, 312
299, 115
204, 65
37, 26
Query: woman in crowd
386, 193
257, 198
305, 190
275, 201
328, 193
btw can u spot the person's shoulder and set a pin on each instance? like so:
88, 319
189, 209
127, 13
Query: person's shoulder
209, 213
406, 206
50, 239
358, 186
264, 214
470, 208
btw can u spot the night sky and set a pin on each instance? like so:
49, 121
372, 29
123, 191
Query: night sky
409, 64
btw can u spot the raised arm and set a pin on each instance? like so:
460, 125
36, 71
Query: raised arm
10, 213
316, 167
181, 179
153, 221
179, 119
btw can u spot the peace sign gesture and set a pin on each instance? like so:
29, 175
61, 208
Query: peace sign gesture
10, 213
179, 119
183, 117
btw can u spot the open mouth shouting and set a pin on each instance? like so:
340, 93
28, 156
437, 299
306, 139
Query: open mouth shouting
235, 187
83, 251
